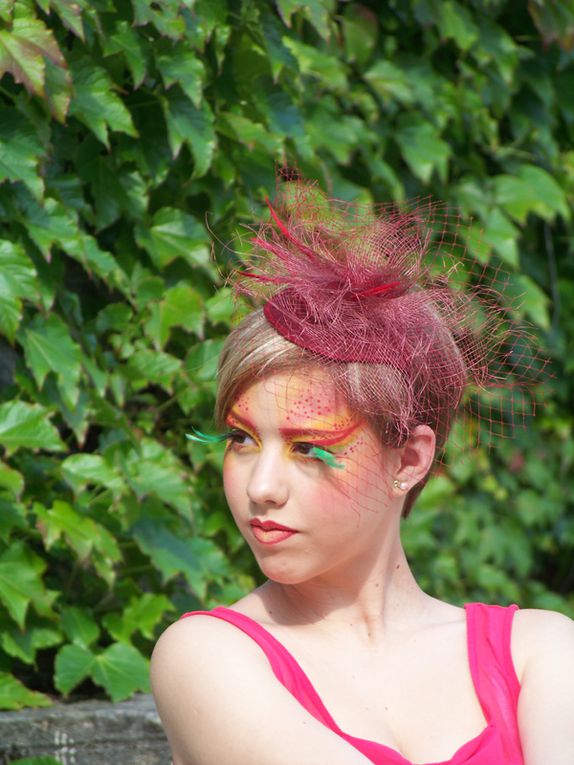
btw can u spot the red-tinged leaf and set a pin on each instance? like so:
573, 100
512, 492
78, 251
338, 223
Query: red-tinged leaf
23, 50
70, 12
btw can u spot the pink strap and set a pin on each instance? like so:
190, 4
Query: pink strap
493, 673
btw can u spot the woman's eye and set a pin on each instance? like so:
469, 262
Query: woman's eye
302, 447
238, 437
318, 453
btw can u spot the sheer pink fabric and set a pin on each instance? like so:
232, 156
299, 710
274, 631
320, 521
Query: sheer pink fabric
495, 682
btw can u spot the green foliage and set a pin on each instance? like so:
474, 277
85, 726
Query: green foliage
128, 131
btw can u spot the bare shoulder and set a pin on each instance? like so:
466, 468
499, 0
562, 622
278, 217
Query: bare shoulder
219, 701
197, 637
543, 651
540, 635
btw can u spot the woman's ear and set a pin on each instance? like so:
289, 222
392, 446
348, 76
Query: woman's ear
416, 457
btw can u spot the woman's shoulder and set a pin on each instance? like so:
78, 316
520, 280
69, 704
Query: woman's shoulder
543, 644
541, 637
198, 634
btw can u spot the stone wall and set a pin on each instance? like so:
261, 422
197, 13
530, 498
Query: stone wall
86, 733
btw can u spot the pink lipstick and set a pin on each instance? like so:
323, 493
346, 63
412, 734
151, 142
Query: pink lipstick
270, 532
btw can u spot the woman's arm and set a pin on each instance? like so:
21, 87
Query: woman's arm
543, 645
220, 702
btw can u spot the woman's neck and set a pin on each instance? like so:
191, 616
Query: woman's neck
371, 596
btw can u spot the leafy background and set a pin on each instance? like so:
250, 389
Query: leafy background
129, 130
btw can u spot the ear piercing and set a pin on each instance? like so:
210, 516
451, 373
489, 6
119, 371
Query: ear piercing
401, 485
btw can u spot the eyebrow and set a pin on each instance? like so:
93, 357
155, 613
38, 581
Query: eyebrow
320, 437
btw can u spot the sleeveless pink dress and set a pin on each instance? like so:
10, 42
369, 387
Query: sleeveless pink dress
493, 675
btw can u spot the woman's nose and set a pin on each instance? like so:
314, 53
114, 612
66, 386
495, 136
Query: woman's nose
268, 482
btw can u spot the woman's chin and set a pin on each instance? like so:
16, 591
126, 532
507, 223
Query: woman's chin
280, 574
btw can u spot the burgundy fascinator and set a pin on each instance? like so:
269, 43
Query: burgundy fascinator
392, 286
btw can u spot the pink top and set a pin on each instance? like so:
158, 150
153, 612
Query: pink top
493, 675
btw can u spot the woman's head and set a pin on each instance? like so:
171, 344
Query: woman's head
376, 299
375, 394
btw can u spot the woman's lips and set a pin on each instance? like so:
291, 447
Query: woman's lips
270, 532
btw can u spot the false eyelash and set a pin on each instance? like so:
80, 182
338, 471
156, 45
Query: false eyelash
326, 457
206, 438
316, 452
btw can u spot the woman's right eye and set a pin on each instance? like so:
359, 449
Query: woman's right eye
238, 437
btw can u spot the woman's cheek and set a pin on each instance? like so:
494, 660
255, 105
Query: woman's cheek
231, 481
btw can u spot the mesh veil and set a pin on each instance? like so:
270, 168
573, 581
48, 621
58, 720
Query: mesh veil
412, 329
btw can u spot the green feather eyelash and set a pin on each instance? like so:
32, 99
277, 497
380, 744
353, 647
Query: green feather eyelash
316, 452
205, 438
326, 457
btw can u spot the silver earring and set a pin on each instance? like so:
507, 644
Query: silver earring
401, 485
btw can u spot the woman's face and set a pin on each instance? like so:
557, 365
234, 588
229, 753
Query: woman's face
307, 482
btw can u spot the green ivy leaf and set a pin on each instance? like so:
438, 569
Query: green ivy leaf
423, 149
193, 126
221, 307
20, 586
180, 65
174, 234
456, 23
279, 56
360, 33
141, 615
533, 301
126, 41
15, 695
49, 347
79, 626
84, 535
12, 518
58, 86
24, 645
17, 281
27, 425
11, 480
20, 151
79, 470
182, 307
121, 670
199, 560
155, 471
165, 16
390, 82
328, 69
148, 366
95, 102
50, 223
73, 665
201, 360
249, 133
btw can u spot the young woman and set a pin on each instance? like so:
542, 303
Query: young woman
335, 399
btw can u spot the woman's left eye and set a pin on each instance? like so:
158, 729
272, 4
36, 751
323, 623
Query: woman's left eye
318, 453
302, 447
